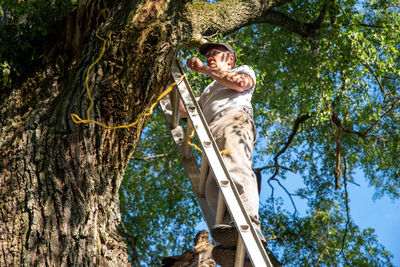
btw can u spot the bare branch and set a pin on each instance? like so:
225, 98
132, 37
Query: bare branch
297, 122
338, 141
272, 195
376, 77
392, 105
295, 128
258, 175
346, 199
338, 156
273, 166
353, 183
337, 168
154, 156
360, 134
289, 194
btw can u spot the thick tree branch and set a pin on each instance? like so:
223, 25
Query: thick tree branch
292, 25
279, 19
304, 29
207, 19
338, 141
318, 22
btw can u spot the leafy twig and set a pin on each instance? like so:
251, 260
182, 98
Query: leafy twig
392, 106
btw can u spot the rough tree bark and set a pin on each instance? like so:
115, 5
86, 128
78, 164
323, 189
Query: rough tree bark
59, 181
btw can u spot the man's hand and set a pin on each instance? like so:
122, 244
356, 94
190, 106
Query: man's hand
196, 64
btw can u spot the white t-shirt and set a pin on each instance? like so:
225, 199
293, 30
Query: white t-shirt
217, 97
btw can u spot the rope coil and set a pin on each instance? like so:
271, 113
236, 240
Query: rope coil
76, 119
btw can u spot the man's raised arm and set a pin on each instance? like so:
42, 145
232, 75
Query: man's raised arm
236, 81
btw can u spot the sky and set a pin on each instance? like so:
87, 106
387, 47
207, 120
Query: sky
382, 214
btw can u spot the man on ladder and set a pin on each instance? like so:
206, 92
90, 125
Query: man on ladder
226, 105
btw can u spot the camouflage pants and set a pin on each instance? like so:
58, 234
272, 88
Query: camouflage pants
234, 130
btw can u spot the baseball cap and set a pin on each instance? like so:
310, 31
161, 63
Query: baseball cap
205, 47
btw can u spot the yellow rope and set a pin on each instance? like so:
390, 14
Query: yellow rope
225, 151
191, 144
76, 119
199, 149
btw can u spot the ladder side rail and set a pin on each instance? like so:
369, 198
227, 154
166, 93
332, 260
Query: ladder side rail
203, 177
189, 164
186, 147
175, 103
243, 223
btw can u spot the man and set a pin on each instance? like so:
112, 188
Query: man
227, 109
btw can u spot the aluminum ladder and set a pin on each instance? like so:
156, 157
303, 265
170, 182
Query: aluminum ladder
228, 194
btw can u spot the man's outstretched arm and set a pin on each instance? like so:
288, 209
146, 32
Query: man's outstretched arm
237, 81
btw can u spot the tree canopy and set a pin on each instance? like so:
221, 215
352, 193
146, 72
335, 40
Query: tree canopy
326, 104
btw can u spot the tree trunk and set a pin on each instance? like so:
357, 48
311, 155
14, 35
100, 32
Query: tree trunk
59, 181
